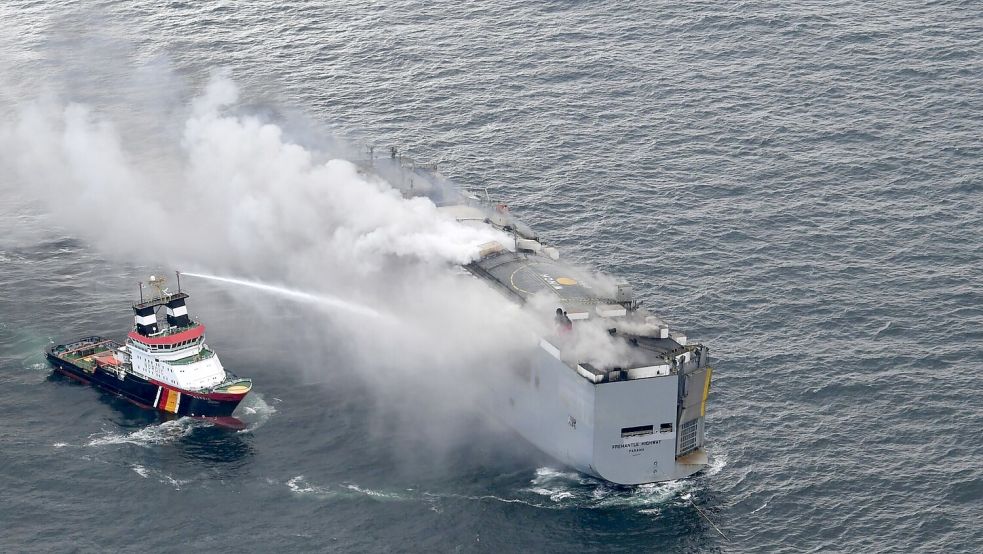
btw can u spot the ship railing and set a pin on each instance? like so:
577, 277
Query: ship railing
173, 330
87, 343
203, 355
669, 364
229, 381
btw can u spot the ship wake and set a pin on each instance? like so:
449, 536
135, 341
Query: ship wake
164, 433
301, 486
576, 490
549, 489
254, 411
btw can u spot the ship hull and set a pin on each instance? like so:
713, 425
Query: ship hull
152, 395
583, 424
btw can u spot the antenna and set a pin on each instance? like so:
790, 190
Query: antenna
140, 283
159, 284
178, 273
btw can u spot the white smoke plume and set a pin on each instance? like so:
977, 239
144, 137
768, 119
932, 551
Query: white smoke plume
236, 197
127, 162
243, 192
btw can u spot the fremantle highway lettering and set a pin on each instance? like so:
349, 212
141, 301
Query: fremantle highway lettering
635, 446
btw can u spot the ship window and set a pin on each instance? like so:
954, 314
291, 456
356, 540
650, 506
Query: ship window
665, 428
636, 431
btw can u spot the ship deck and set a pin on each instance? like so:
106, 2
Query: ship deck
526, 275
83, 352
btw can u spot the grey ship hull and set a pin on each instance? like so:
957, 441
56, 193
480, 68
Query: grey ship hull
638, 421
580, 423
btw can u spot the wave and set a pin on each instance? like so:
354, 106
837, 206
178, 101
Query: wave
717, 463
159, 475
575, 490
549, 488
163, 433
300, 485
254, 411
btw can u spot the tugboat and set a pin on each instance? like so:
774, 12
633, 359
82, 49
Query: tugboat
163, 365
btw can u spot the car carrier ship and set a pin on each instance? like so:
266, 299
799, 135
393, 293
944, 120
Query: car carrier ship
164, 363
638, 420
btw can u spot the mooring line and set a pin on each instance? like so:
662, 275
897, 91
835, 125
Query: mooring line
715, 528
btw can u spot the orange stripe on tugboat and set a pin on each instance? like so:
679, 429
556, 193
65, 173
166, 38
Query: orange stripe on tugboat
169, 400
173, 402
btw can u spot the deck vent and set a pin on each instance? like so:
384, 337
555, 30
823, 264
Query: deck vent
688, 436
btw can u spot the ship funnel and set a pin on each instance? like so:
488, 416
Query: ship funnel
145, 319
177, 313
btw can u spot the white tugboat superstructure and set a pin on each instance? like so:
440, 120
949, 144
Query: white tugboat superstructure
164, 364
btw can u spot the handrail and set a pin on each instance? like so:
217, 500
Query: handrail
204, 354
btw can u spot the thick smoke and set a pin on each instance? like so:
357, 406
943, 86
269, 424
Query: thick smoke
234, 196
243, 195
127, 159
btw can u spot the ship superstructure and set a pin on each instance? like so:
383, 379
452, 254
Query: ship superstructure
164, 363
637, 416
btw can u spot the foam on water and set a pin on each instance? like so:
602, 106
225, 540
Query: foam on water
549, 489
717, 463
254, 411
575, 490
300, 485
162, 477
163, 433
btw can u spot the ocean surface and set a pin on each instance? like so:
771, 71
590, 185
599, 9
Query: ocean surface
796, 185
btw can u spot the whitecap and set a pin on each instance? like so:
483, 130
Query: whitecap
717, 463
577, 490
255, 412
159, 475
373, 493
300, 485
166, 432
